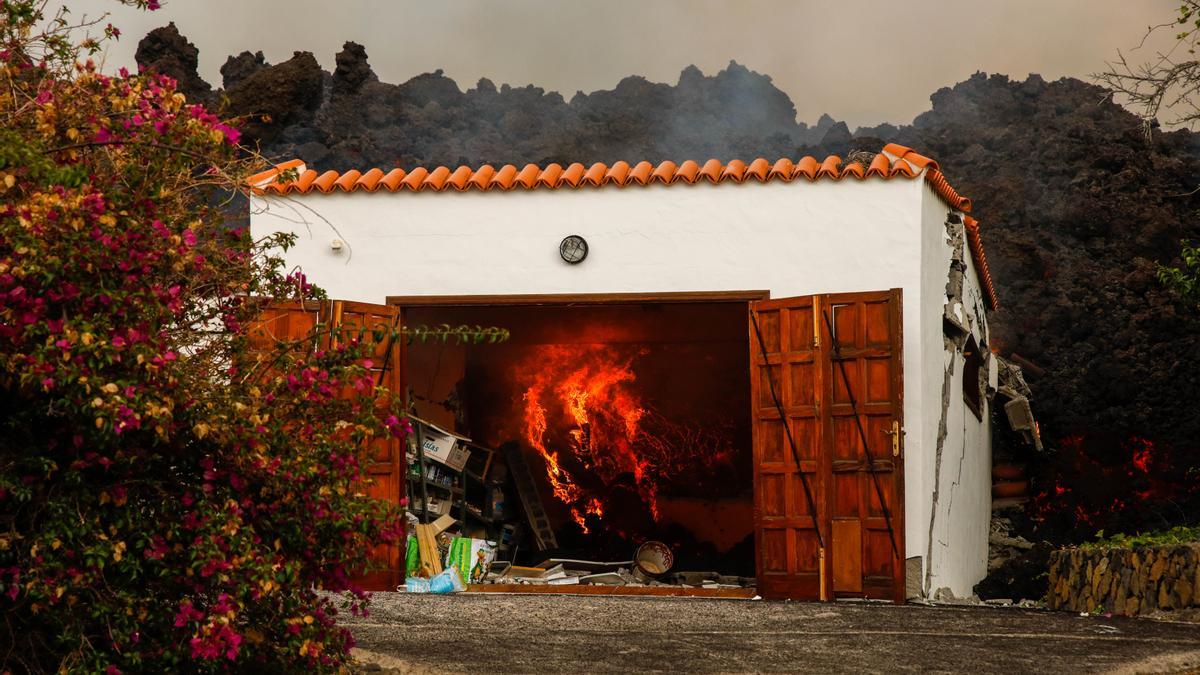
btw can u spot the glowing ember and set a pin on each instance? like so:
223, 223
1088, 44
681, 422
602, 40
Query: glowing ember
1111, 484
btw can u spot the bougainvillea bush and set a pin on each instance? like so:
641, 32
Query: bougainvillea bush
169, 499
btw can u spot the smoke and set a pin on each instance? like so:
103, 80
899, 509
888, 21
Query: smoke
863, 62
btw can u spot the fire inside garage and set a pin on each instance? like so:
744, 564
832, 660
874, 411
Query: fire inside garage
635, 419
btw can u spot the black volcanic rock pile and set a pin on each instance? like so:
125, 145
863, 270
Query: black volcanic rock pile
1077, 209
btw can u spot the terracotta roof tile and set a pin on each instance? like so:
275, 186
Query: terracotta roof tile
808, 166
572, 175
710, 171
782, 170
392, 180
853, 169
549, 175
688, 172
829, 168
293, 177
504, 177
759, 169
641, 172
975, 242
483, 177
461, 178
880, 166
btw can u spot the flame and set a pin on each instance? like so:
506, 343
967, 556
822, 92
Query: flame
588, 391
535, 433
584, 413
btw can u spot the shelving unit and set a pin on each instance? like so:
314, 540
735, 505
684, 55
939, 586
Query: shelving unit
468, 491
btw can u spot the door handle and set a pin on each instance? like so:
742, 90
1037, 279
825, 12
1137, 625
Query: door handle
894, 432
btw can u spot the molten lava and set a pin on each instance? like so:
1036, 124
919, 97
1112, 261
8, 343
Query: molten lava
583, 413
1111, 484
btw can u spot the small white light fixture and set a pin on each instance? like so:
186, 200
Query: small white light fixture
573, 249
336, 245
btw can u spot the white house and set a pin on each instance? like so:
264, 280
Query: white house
891, 428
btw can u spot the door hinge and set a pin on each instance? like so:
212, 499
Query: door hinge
894, 432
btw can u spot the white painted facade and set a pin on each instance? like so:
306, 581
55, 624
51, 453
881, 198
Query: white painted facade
792, 239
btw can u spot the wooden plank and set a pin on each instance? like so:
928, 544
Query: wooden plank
576, 298
656, 591
846, 538
431, 562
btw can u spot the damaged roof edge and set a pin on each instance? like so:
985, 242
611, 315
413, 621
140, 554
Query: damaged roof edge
975, 242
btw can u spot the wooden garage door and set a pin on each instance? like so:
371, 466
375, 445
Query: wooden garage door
839, 489
386, 466
291, 321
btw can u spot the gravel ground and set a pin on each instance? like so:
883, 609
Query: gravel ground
572, 634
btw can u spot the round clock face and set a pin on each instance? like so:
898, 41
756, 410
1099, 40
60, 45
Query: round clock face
573, 249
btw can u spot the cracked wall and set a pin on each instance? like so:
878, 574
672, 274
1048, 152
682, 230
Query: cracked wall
956, 466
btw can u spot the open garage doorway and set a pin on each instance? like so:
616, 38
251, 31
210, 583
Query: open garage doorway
631, 413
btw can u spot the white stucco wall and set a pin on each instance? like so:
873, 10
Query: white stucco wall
953, 530
789, 238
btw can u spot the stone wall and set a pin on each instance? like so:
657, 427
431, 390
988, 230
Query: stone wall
1125, 581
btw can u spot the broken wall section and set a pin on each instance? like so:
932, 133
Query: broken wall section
956, 470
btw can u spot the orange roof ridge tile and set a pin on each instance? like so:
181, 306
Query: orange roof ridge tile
528, 175
641, 172
782, 169
460, 179
808, 167
415, 178
392, 180
975, 241
689, 171
830, 167
664, 172
506, 177
548, 177
758, 169
595, 173
482, 177
616, 173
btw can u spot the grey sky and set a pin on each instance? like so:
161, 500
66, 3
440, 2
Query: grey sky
864, 62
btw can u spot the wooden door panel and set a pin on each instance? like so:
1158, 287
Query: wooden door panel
792, 350
787, 379
385, 457
866, 390
386, 468
847, 545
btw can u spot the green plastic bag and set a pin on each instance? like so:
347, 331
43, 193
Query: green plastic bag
412, 557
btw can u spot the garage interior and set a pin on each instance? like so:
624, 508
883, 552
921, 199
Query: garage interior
631, 414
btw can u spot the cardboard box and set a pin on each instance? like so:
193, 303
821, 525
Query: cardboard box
444, 447
437, 506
